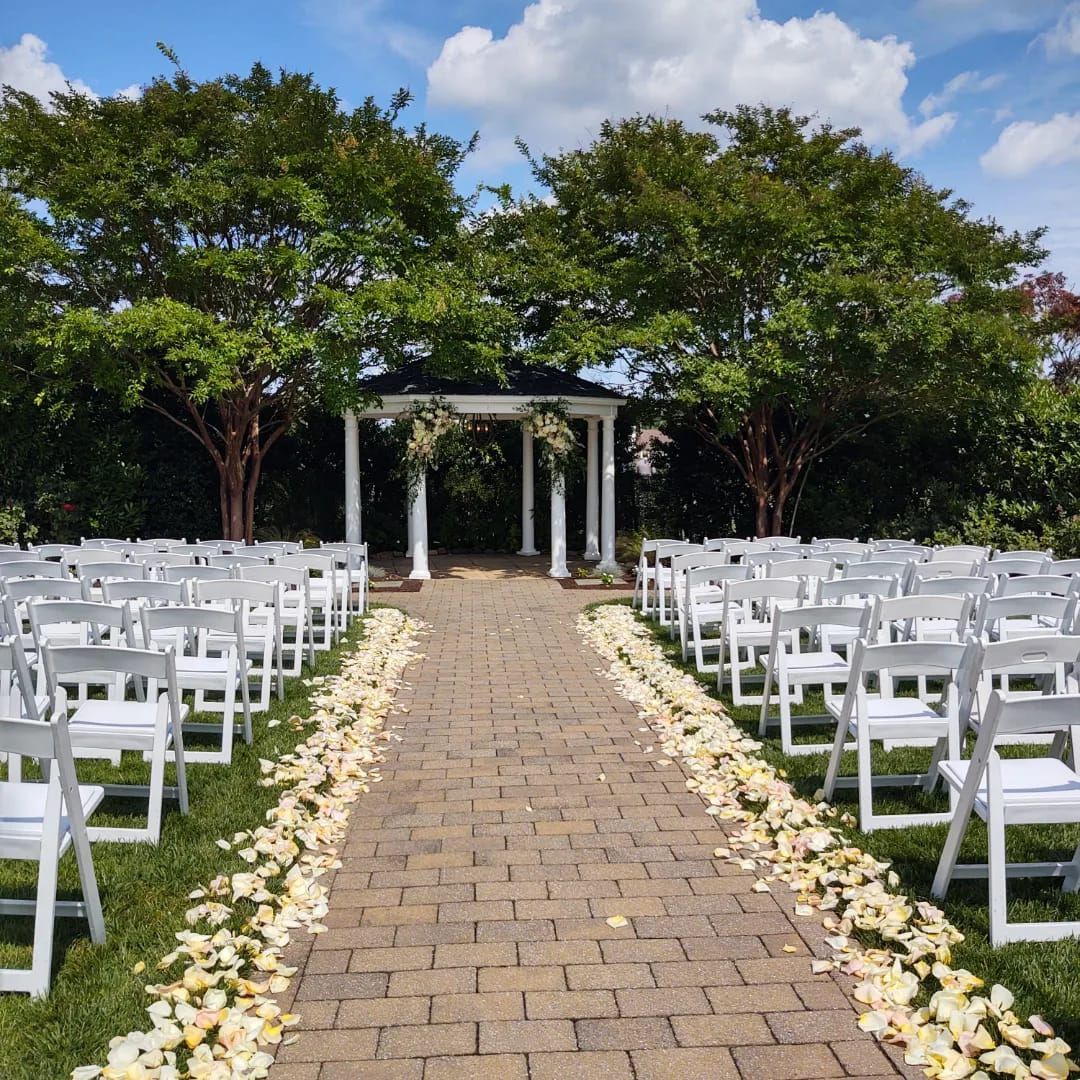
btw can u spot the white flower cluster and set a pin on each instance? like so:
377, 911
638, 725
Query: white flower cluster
217, 1019
553, 430
960, 1033
429, 424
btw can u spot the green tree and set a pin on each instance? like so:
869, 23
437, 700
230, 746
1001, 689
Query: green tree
230, 252
778, 287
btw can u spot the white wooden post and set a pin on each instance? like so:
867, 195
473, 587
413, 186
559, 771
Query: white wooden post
592, 493
528, 501
418, 519
607, 498
352, 478
558, 529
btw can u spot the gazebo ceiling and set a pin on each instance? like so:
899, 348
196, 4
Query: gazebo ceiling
414, 381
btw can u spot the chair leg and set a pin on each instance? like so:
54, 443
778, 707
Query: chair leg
181, 772
88, 880
865, 780
44, 916
837, 752
951, 851
766, 695
997, 866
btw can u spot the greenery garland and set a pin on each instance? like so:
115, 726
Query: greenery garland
549, 422
429, 421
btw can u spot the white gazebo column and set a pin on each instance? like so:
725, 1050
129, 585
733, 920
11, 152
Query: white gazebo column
607, 500
592, 493
419, 538
558, 529
528, 495
352, 478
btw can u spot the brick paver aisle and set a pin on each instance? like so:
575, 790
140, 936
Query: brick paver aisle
468, 936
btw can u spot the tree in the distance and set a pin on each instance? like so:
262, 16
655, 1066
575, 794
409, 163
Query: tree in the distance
230, 251
779, 287
1056, 310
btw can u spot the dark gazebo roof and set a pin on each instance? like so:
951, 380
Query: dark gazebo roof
522, 380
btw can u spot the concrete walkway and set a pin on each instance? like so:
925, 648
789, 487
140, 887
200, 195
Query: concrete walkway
468, 938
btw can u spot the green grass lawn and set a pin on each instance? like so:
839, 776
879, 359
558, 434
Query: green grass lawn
144, 891
1045, 977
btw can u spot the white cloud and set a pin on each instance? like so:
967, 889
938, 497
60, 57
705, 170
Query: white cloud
25, 66
1027, 145
1064, 38
568, 64
364, 25
967, 82
132, 92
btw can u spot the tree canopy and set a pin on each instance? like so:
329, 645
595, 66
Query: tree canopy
779, 285
229, 252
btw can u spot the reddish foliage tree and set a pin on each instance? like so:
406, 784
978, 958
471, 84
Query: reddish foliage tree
1056, 310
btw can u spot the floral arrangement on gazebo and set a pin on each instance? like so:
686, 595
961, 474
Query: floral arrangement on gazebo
549, 423
429, 421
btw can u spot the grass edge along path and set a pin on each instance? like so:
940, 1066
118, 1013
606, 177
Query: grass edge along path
215, 1016
771, 829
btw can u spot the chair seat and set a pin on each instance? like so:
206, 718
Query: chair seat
115, 720
805, 663
897, 717
22, 816
204, 668
1042, 783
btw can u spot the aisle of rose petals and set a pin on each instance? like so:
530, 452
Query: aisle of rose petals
958, 1033
216, 1019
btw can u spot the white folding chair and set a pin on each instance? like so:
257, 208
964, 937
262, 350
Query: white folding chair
975, 553
898, 720
1049, 662
855, 592
50, 551
295, 588
1042, 584
11, 555
153, 728
231, 562
323, 591
164, 543
93, 574
703, 606
665, 581
951, 586
352, 560
80, 622
188, 576
1064, 566
760, 561
1004, 618
999, 568
39, 823
748, 608
791, 669
1014, 791
18, 697
811, 572
679, 566
777, 542
30, 568
200, 670
645, 574
259, 603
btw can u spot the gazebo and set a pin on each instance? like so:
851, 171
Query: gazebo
399, 390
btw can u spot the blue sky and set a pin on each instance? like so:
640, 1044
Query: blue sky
983, 96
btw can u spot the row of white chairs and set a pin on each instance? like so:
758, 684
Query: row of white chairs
99, 664
911, 658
